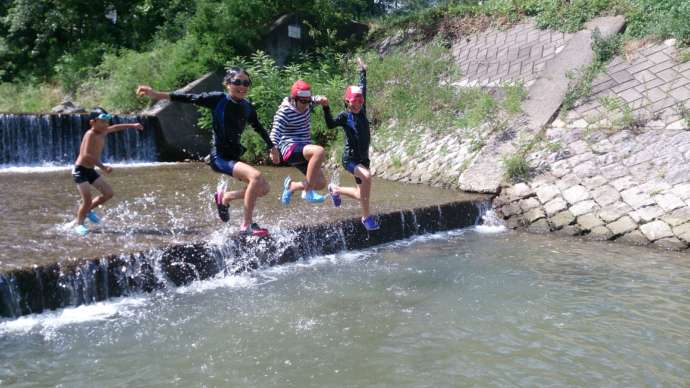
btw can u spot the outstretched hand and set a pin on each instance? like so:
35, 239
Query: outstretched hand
321, 100
275, 156
138, 126
145, 90
107, 169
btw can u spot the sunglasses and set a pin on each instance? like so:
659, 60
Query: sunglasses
303, 100
243, 82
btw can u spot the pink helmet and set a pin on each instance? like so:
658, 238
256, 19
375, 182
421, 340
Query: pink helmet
300, 89
353, 93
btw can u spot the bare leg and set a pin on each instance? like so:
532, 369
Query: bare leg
256, 187
86, 200
106, 193
364, 175
361, 192
315, 156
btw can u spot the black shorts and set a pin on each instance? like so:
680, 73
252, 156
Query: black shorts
350, 166
294, 156
83, 174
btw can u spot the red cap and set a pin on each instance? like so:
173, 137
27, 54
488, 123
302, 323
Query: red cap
300, 89
352, 93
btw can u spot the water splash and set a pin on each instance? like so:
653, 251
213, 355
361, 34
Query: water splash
491, 223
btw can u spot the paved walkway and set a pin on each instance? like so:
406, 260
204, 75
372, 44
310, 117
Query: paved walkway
517, 54
652, 85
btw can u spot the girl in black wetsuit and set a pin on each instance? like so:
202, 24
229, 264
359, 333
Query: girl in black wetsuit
231, 112
356, 153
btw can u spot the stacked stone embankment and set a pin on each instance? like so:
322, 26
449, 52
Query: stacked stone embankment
619, 168
615, 167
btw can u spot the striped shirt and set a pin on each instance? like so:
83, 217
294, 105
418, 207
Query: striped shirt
290, 126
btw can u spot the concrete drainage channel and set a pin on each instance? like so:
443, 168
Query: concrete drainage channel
77, 282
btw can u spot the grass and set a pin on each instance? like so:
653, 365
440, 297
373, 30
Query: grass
580, 85
29, 97
516, 167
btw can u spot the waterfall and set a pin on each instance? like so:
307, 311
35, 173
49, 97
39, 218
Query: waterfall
76, 282
54, 139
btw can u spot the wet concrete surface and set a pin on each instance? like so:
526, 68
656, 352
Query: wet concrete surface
161, 205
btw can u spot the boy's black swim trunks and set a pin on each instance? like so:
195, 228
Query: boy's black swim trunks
83, 174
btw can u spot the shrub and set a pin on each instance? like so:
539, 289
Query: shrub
516, 167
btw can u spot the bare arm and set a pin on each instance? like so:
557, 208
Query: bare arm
145, 90
103, 167
119, 127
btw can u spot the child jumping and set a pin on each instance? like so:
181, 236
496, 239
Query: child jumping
84, 171
292, 133
231, 112
356, 152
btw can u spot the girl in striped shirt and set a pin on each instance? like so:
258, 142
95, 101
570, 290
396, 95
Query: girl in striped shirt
292, 134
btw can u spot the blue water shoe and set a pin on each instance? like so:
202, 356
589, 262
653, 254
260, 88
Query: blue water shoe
81, 230
370, 223
312, 196
93, 217
335, 197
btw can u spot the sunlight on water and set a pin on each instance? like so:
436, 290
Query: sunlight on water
48, 323
51, 167
462, 308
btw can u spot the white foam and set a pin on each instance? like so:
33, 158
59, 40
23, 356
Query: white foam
45, 168
50, 321
490, 229
244, 280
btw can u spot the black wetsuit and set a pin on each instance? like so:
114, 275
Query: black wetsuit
229, 119
356, 128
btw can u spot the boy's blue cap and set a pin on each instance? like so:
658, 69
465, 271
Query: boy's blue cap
100, 113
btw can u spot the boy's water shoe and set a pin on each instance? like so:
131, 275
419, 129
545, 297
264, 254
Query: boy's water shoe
334, 197
287, 194
254, 230
81, 230
93, 217
312, 196
370, 223
223, 213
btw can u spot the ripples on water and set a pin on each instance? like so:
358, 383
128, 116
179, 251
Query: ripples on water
450, 309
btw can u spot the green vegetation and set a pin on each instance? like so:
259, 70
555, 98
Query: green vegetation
618, 113
407, 86
581, 80
516, 167
270, 84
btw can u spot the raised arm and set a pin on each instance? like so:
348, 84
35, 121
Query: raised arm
145, 90
330, 122
254, 122
207, 100
119, 127
362, 77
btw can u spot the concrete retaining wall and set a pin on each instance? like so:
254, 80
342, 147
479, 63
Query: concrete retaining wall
77, 282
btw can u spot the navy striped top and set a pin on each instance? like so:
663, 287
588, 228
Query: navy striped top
291, 126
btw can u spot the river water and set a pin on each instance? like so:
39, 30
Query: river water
473, 307
161, 204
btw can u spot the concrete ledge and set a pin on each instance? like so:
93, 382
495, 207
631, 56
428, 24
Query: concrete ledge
76, 282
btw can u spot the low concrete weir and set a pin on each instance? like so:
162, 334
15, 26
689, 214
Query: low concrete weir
76, 282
